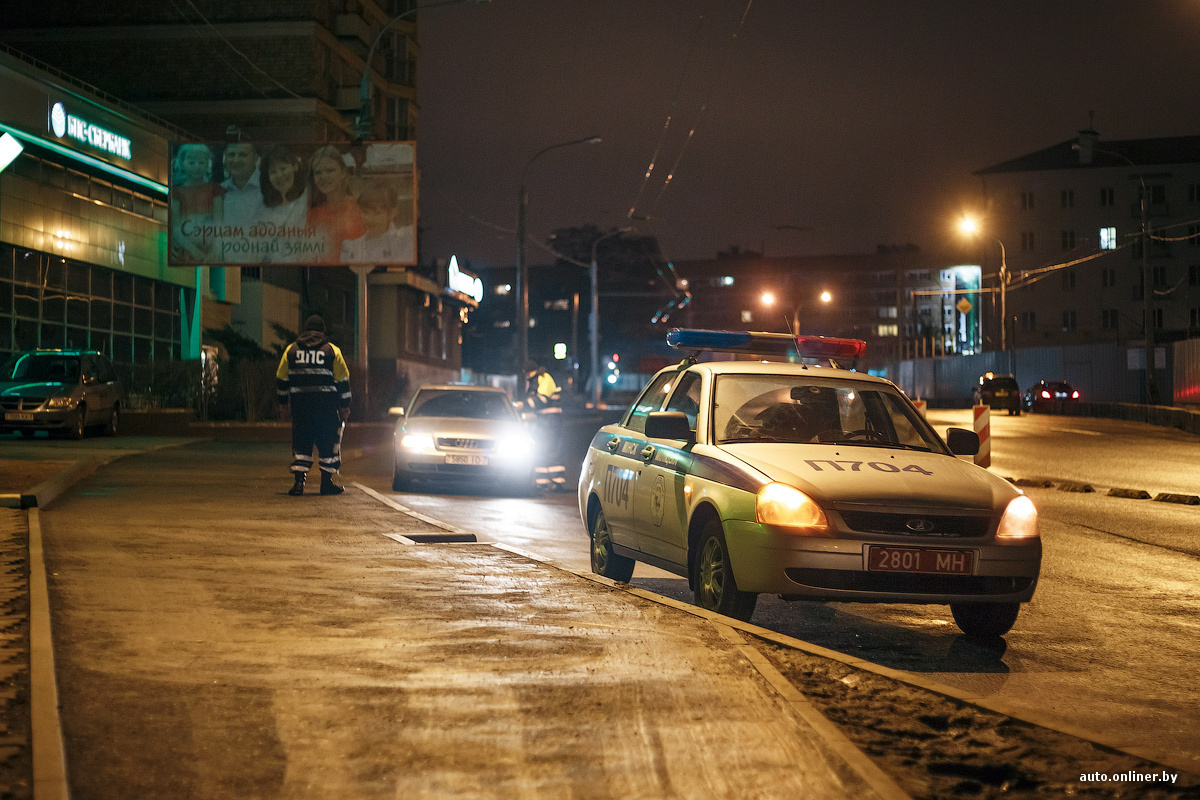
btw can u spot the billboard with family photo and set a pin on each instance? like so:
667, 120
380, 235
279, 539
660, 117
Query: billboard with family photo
242, 203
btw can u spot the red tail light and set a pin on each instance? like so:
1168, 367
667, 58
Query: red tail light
1045, 394
1075, 395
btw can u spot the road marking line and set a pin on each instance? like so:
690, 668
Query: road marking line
1077, 430
387, 501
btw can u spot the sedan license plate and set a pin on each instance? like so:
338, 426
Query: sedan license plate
474, 461
1002, 393
18, 416
920, 559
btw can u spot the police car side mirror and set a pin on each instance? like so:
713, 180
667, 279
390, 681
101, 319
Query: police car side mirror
962, 442
669, 425
396, 411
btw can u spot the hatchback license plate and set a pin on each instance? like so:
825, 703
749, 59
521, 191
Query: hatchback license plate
920, 559
474, 461
18, 416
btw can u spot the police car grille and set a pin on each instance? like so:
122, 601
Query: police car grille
924, 525
464, 444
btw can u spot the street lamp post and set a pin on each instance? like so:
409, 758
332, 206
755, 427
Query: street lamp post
522, 354
768, 299
594, 317
970, 227
1147, 286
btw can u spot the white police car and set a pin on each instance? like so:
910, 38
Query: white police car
805, 481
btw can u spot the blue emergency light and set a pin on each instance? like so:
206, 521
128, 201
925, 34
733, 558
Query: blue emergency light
762, 343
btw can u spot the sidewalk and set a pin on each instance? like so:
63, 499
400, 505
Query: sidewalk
216, 638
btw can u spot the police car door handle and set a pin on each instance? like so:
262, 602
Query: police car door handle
648, 453
613, 444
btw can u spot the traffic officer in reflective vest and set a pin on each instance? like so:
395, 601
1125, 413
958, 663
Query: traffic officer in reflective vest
314, 381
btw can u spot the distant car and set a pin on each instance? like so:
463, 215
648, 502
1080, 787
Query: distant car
60, 391
1051, 396
804, 481
456, 434
999, 392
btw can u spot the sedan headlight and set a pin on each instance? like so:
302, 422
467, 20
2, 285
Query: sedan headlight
516, 446
61, 402
417, 441
786, 506
1019, 523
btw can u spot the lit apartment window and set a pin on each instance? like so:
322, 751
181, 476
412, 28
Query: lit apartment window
1108, 319
1068, 198
1027, 242
747, 316
1068, 321
1106, 197
887, 330
1108, 238
1108, 277
1068, 280
1068, 240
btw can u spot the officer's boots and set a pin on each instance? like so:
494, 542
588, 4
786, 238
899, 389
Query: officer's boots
298, 488
328, 486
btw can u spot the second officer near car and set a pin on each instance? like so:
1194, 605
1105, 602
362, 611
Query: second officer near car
314, 381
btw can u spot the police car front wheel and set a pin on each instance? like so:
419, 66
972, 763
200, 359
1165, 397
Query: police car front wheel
985, 620
604, 561
715, 587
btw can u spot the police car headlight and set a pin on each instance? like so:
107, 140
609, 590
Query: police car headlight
779, 504
417, 441
1019, 523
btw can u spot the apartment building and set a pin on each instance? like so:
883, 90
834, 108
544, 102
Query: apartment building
1070, 218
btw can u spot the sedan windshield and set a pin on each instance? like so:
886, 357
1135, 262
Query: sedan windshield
457, 403
52, 368
803, 410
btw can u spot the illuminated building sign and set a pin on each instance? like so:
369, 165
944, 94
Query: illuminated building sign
64, 124
464, 282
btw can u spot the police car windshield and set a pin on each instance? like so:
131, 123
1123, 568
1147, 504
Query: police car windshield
456, 403
799, 409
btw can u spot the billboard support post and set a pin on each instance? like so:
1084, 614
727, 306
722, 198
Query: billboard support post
360, 333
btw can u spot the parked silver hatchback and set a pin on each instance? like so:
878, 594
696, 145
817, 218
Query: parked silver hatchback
61, 391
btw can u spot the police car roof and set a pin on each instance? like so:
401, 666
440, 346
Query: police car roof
782, 368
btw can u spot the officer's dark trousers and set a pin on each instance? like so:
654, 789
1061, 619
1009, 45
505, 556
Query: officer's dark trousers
315, 421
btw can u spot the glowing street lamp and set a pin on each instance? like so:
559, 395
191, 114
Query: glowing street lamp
970, 227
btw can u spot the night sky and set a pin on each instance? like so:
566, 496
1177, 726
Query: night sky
860, 121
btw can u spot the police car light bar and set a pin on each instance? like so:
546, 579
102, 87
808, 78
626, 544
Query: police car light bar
762, 343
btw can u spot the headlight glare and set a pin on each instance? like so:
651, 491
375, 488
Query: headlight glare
417, 441
1019, 523
786, 506
515, 446
61, 402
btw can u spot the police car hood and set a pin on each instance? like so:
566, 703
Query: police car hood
848, 474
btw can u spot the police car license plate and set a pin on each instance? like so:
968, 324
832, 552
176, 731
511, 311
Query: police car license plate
920, 559
18, 416
473, 461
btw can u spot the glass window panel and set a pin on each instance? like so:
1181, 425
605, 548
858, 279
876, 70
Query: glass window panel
123, 287
143, 321
122, 318
101, 282
77, 277
142, 350
77, 183
143, 292
99, 190
77, 337
24, 303
122, 349
102, 342
101, 315
28, 267
55, 274
77, 311
26, 334
54, 309
6, 295
175, 351
6, 338
164, 325
165, 297
53, 335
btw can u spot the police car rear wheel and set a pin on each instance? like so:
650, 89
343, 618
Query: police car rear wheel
604, 561
716, 588
985, 620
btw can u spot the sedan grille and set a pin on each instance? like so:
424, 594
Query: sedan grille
21, 403
930, 525
464, 444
